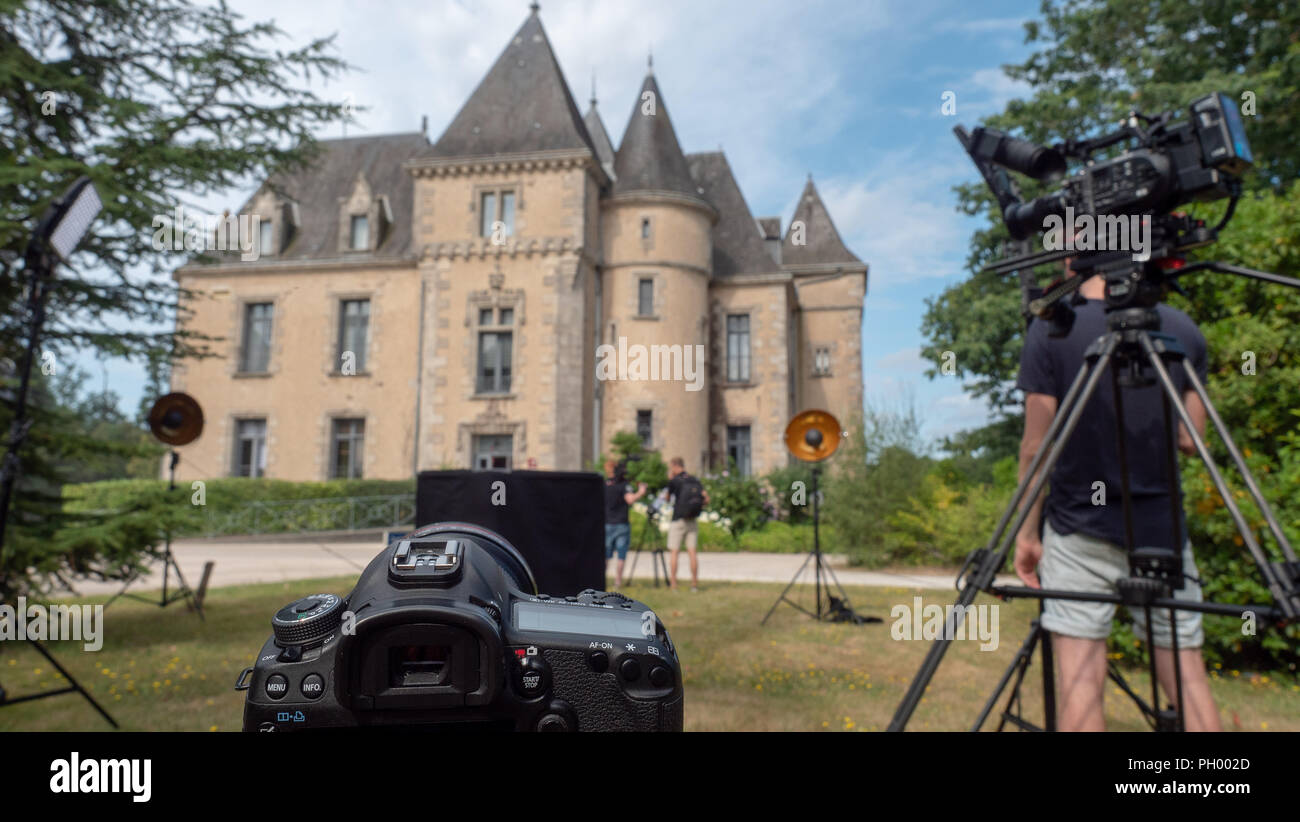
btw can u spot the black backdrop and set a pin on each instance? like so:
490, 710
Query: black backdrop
555, 518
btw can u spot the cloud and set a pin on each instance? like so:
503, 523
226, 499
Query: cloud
907, 359
902, 218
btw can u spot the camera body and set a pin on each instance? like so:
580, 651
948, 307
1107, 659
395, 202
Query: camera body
445, 630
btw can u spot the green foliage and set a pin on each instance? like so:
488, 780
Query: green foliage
879, 467
737, 501
161, 103
643, 464
783, 502
949, 517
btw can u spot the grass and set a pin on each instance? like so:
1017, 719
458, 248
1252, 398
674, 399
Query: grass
167, 671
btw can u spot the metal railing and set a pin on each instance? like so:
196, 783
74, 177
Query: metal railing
299, 515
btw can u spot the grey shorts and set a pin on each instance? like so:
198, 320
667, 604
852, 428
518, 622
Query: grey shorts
1077, 562
680, 530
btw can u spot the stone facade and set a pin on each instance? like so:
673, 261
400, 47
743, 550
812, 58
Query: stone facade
585, 248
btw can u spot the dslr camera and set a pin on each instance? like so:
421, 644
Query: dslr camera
446, 630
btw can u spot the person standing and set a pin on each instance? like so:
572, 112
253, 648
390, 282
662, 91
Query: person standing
689, 499
618, 531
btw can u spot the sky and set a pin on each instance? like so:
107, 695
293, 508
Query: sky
849, 92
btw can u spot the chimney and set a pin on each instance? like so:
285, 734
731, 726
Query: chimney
770, 229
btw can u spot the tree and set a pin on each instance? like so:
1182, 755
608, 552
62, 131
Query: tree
159, 102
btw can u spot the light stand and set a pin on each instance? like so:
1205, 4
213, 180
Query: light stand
169, 564
59, 230
814, 436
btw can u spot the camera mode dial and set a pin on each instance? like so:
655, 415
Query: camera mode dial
307, 620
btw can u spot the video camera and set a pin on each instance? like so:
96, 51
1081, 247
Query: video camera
445, 630
1200, 158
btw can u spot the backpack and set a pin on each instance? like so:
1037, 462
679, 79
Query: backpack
692, 493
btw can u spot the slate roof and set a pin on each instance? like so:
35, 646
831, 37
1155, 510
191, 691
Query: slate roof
523, 104
649, 157
331, 177
822, 242
737, 245
600, 138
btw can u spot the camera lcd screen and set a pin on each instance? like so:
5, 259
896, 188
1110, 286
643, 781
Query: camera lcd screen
530, 616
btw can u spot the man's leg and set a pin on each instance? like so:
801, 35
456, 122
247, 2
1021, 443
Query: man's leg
1199, 711
692, 540
1081, 670
1077, 562
675, 533
621, 542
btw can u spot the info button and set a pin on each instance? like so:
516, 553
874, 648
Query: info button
277, 686
313, 686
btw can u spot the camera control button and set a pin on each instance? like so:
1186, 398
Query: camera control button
554, 723
277, 686
630, 669
313, 686
660, 676
534, 677
599, 661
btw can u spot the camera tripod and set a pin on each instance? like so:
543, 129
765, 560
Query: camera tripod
73, 685
169, 564
658, 562
1131, 345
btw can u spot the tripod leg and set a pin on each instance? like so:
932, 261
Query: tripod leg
1070, 410
793, 580
1276, 586
1049, 683
1240, 461
1018, 665
72, 681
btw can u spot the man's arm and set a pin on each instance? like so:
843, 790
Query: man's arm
631, 497
1195, 410
1039, 410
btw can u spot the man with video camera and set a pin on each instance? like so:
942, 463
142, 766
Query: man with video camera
1081, 547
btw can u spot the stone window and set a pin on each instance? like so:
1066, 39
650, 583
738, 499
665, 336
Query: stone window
737, 348
353, 334
822, 362
347, 448
644, 425
249, 459
266, 233
495, 350
255, 348
738, 450
497, 206
645, 297
359, 234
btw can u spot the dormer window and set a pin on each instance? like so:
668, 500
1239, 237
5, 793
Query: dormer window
360, 232
264, 236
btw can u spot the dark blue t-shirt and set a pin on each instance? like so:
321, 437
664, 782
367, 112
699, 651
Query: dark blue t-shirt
1047, 366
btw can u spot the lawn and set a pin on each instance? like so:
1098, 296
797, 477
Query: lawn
166, 670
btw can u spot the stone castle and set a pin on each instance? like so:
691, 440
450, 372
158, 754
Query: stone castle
418, 305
